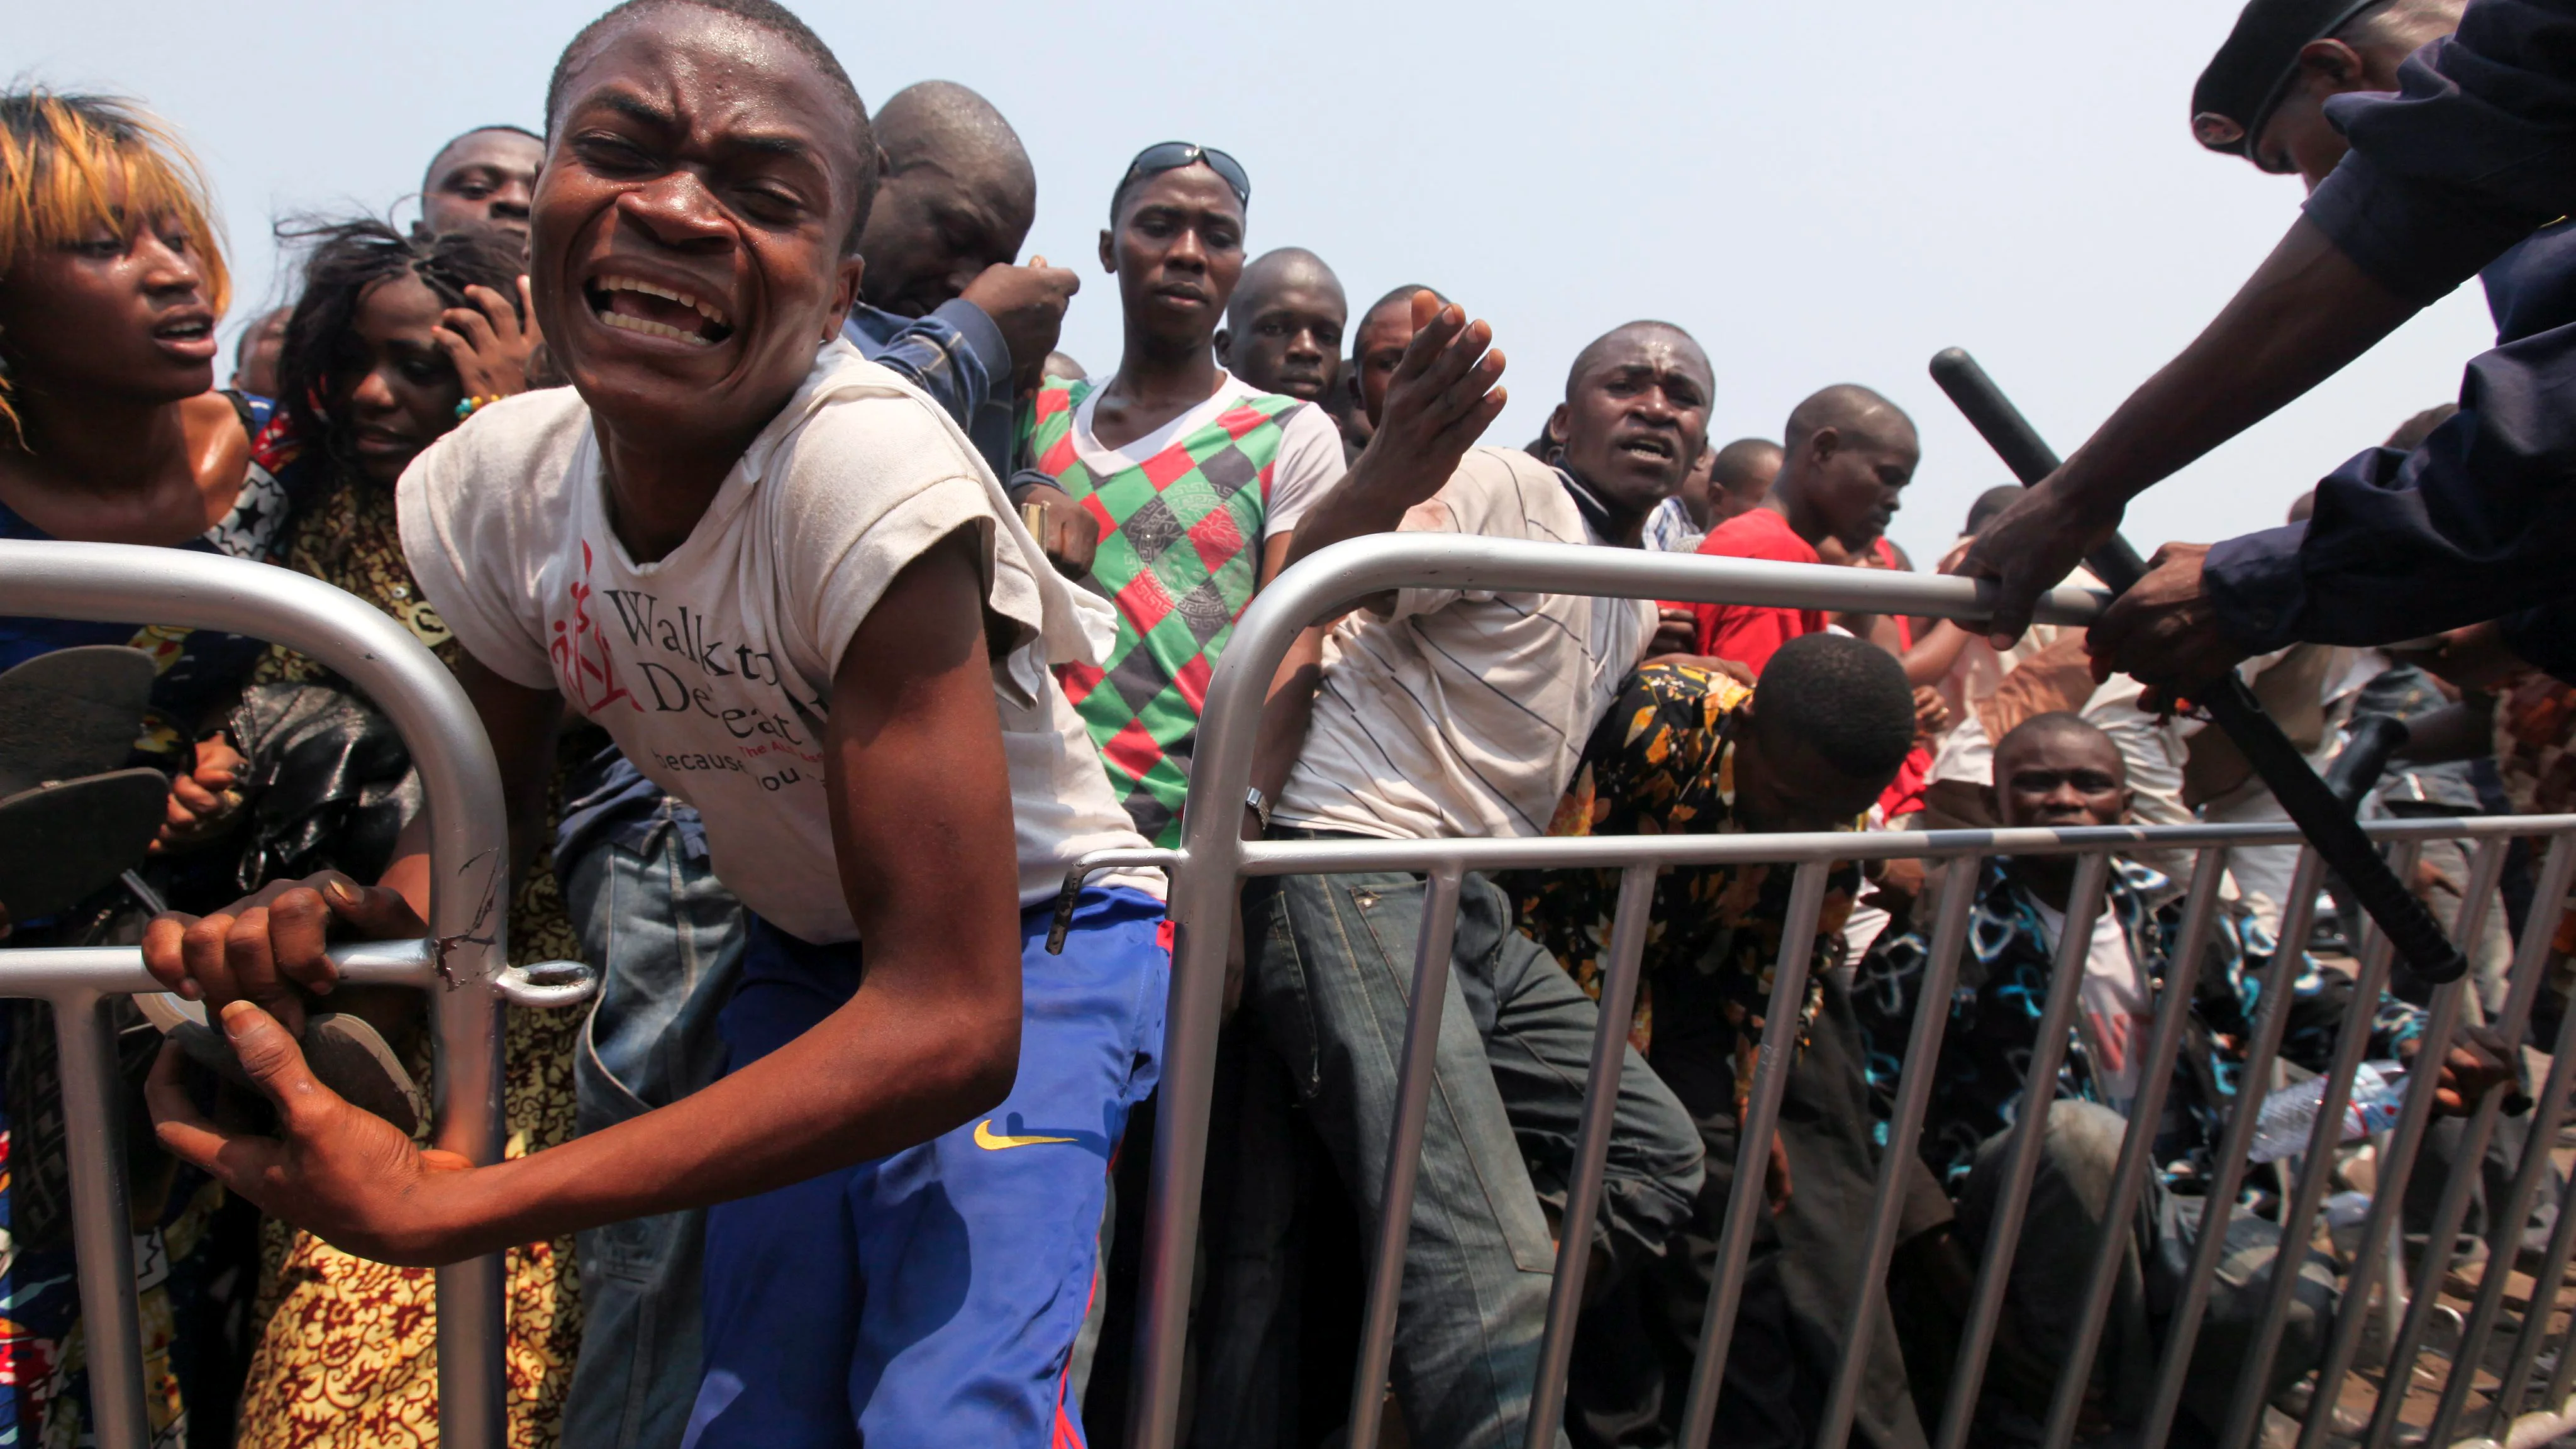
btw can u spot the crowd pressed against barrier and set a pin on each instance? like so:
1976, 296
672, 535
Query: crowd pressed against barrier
713, 435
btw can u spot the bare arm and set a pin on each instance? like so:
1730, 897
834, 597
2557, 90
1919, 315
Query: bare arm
930, 1038
2305, 312
1290, 703
1932, 658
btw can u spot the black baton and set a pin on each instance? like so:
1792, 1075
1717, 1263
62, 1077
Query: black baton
2313, 807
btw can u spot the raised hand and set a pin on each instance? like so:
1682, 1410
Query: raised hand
1443, 396
1027, 304
488, 343
1439, 401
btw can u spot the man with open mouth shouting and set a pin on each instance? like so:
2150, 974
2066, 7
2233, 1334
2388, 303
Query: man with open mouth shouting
786, 584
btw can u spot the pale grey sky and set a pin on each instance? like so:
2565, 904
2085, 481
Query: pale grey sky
1822, 192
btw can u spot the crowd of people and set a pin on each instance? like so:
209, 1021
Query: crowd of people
821, 614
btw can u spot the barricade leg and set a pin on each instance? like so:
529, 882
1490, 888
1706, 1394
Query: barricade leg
2245, 1415
2220, 1204
1404, 1152
102, 1225
1905, 1131
1591, 1149
2030, 1130
2546, 1285
2530, 962
1753, 1151
2137, 1149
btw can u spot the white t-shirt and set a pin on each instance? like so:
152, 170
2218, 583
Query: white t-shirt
2117, 1000
1310, 449
1466, 712
712, 667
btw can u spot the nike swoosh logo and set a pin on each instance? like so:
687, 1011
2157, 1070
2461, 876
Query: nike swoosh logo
992, 1141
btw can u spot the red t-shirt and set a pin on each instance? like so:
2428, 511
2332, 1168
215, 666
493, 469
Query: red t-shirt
1745, 633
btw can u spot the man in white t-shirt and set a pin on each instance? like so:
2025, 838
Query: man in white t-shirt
1192, 478
1462, 713
790, 589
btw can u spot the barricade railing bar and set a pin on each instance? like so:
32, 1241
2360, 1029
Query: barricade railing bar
461, 964
1213, 863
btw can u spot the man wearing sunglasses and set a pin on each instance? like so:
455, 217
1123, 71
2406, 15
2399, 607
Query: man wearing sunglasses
1191, 478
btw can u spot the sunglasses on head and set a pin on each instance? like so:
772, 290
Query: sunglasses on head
1173, 155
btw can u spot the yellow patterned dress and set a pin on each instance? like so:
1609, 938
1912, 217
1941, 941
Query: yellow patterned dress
1662, 762
347, 1354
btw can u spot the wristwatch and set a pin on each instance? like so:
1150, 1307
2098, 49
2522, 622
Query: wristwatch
1259, 805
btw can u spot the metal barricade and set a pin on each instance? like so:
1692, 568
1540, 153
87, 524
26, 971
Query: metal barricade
1214, 862
462, 964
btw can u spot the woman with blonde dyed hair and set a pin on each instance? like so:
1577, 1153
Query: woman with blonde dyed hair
111, 283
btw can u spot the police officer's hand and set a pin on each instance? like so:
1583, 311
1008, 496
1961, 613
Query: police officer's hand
2030, 548
2165, 631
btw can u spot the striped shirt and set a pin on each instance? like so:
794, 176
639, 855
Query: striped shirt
1464, 712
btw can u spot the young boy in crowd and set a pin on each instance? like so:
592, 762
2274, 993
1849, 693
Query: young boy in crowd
788, 587
1191, 479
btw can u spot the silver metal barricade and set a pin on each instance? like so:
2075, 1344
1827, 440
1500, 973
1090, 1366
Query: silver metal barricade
462, 964
1214, 862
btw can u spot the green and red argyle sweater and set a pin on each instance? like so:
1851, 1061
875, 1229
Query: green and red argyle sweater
1180, 556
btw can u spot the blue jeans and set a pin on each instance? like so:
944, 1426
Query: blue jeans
667, 939
1330, 970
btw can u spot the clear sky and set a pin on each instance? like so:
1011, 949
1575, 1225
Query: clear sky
1821, 192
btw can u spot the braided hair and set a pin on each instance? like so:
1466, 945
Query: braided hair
318, 361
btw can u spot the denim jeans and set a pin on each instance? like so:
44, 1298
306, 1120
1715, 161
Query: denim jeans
1330, 970
2060, 1235
667, 939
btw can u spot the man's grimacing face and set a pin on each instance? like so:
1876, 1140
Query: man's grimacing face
1635, 418
687, 249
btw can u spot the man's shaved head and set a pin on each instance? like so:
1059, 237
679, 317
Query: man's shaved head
1618, 338
1403, 295
764, 15
481, 182
958, 196
2057, 771
1283, 326
1746, 466
1276, 270
1849, 407
1846, 455
942, 124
